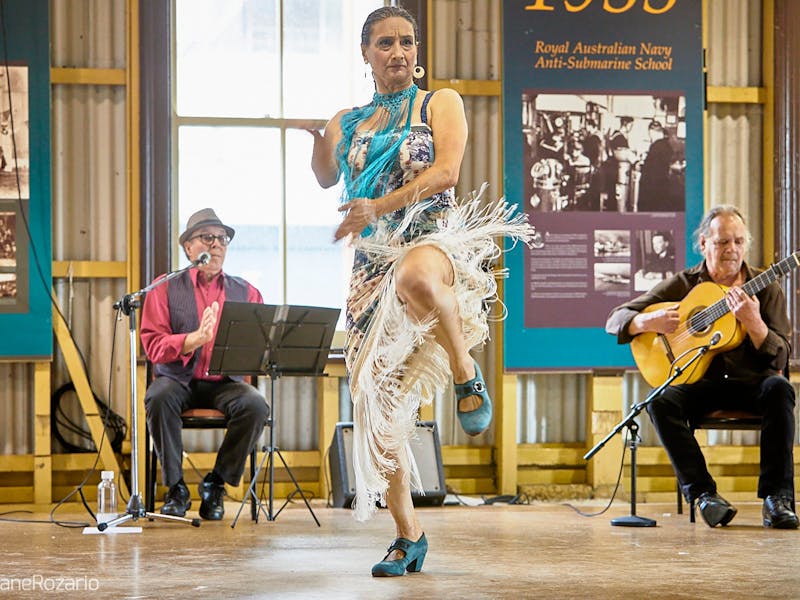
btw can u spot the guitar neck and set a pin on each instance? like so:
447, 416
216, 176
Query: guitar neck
704, 319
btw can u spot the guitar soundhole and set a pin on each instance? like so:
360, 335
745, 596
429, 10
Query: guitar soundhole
699, 323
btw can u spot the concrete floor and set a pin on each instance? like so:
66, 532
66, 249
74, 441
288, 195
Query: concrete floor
497, 551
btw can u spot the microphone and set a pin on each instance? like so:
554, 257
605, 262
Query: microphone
202, 259
715, 339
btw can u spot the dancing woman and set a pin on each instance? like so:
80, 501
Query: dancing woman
420, 286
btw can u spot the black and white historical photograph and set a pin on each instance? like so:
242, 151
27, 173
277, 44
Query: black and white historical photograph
14, 133
8, 255
612, 243
612, 277
655, 258
613, 153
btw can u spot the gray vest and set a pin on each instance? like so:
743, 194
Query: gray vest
183, 318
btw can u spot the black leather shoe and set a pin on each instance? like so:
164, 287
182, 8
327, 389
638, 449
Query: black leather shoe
778, 514
212, 507
715, 509
177, 501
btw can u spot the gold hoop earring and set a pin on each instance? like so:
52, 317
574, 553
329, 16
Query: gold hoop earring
419, 72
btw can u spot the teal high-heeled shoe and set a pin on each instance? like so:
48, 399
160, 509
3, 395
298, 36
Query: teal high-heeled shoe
476, 421
411, 562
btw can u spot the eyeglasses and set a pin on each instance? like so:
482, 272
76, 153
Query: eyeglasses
208, 238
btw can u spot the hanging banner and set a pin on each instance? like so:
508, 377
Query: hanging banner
25, 224
603, 146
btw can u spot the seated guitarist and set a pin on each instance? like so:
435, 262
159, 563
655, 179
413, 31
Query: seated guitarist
747, 376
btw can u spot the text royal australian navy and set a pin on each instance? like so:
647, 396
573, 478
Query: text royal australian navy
616, 56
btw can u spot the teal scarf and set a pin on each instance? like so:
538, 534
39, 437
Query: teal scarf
394, 123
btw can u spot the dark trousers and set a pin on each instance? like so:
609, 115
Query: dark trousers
242, 404
772, 398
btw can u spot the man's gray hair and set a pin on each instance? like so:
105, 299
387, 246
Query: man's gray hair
704, 229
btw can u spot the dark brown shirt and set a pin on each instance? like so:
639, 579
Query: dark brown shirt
743, 363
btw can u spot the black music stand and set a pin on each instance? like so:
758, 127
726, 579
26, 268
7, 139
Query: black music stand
277, 341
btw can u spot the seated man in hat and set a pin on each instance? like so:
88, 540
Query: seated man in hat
179, 323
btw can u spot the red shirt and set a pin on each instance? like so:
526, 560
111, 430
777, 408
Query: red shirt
161, 344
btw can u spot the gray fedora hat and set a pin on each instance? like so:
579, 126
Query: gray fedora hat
202, 218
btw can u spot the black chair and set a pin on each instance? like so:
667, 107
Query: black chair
720, 419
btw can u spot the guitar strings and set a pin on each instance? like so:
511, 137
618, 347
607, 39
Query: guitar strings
706, 317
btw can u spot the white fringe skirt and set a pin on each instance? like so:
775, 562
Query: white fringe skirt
394, 362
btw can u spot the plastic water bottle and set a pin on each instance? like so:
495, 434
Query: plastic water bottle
106, 498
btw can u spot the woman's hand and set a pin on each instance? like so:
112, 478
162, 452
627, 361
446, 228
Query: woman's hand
361, 212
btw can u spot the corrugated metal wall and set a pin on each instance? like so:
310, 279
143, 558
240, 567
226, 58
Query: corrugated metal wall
89, 196
734, 131
16, 409
89, 208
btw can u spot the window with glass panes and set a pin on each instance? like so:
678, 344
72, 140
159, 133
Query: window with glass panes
248, 74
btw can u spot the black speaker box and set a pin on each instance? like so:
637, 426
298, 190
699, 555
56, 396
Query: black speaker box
427, 452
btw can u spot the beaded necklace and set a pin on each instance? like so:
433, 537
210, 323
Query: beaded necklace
392, 102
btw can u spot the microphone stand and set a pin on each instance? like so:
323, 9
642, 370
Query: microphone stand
128, 305
633, 520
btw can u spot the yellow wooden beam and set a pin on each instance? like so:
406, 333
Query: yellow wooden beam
23, 463
466, 455
42, 466
84, 392
724, 483
18, 495
554, 456
506, 436
73, 461
335, 368
716, 455
327, 416
426, 412
736, 95
604, 411
67, 76
471, 486
551, 476
16, 463
469, 87
90, 268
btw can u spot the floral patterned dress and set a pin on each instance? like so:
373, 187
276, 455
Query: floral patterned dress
394, 362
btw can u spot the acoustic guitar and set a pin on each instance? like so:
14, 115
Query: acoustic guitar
704, 317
